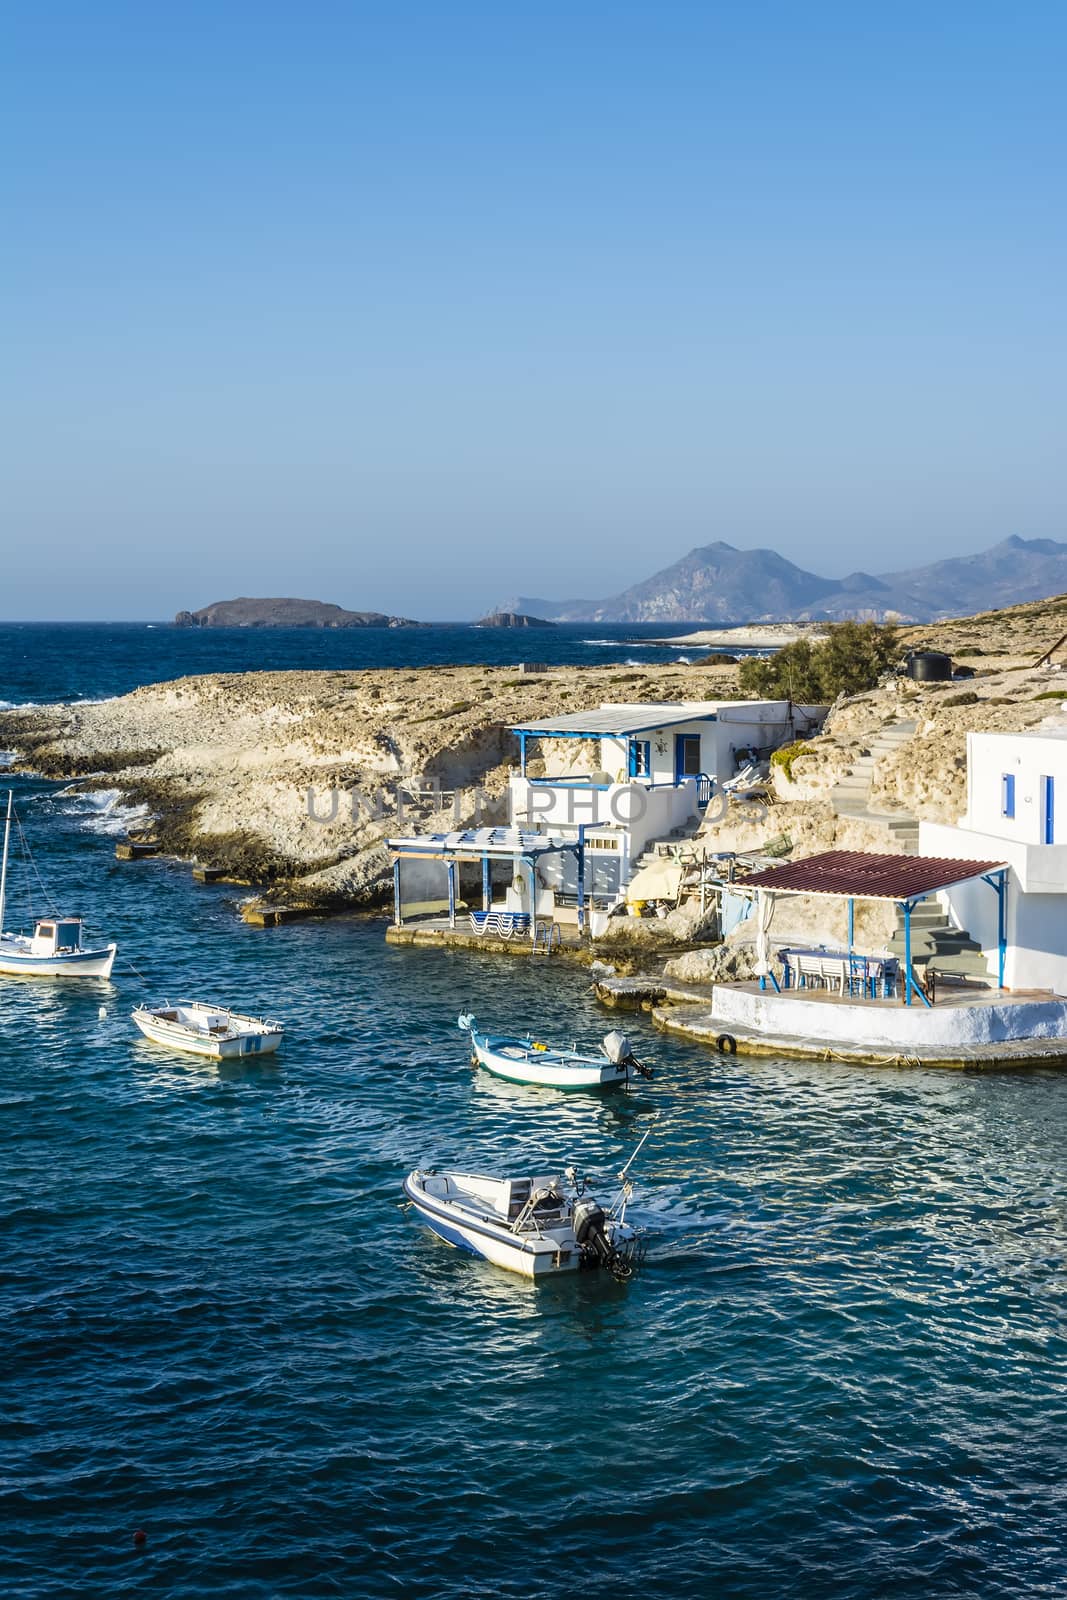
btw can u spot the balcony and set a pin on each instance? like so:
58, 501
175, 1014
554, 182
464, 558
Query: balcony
641, 810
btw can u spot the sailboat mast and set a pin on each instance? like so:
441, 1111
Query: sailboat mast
3, 868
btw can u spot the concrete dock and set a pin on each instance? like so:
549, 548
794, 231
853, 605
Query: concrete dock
689, 1011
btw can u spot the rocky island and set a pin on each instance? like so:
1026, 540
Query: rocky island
513, 619
285, 613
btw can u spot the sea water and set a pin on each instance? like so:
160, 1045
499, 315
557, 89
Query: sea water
839, 1373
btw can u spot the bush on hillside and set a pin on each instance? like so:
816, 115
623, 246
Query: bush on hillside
785, 757
852, 658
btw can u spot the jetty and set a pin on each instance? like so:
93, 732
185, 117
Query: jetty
707, 1016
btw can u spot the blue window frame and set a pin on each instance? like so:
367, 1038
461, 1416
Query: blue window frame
1007, 794
640, 758
1048, 809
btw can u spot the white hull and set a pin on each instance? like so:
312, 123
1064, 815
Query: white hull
478, 1223
16, 960
209, 1031
520, 1062
501, 1252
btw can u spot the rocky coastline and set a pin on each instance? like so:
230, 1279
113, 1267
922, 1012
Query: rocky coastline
291, 782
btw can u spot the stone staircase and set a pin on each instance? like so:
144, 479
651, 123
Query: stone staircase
852, 796
933, 938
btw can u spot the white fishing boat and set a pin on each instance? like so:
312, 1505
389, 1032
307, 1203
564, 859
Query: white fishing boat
56, 948
533, 1226
539, 1227
528, 1060
208, 1030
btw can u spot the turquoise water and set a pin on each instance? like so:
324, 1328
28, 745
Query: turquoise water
840, 1373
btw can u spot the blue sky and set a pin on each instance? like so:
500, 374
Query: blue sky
414, 306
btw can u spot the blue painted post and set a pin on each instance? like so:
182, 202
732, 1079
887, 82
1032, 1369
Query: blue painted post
451, 894
1002, 925
398, 917
487, 888
581, 884
909, 975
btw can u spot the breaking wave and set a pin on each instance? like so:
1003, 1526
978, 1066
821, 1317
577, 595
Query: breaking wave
102, 811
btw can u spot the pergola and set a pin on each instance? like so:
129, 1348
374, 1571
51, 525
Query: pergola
904, 880
486, 845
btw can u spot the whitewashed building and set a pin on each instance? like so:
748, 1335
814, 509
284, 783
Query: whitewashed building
655, 768
1016, 811
637, 773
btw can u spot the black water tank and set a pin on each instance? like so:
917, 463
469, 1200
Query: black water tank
929, 666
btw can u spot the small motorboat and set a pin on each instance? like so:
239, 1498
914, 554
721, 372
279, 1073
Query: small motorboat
56, 948
208, 1030
539, 1227
528, 1060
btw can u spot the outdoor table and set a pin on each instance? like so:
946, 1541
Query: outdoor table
847, 969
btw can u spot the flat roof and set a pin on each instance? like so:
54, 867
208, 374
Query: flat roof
863, 875
609, 721
477, 842
1037, 734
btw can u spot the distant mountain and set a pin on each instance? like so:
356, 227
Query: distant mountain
719, 583
249, 613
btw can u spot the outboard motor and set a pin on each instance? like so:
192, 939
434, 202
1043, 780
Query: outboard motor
588, 1221
616, 1047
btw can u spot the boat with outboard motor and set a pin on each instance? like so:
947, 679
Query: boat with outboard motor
537, 1226
56, 948
528, 1060
208, 1030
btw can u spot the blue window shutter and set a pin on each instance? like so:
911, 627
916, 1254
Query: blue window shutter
1049, 807
1007, 795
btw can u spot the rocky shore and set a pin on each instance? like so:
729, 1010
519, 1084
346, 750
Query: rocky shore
292, 781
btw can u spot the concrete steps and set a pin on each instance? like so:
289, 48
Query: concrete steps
934, 939
851, 795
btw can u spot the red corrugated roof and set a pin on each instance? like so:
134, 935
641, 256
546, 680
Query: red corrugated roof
862, 875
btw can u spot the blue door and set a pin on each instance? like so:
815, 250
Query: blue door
686, 756
1048, 809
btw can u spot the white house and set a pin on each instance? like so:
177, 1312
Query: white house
574, 837
1015, 784
655, 769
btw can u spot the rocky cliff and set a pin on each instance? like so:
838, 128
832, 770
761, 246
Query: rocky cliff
296, 779
227, 762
